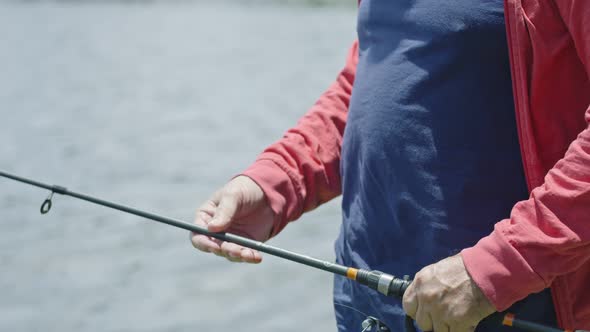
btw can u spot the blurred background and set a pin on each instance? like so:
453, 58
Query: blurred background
155, 104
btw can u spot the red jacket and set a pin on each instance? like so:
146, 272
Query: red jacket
546, 240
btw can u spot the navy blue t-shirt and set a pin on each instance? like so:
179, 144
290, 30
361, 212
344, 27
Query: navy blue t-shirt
430, 158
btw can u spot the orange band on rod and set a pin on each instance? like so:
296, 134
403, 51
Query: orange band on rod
351, 273
508, 320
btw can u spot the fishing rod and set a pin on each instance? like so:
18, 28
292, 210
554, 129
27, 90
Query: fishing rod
384, 283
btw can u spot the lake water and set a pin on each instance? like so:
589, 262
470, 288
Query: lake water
154, 105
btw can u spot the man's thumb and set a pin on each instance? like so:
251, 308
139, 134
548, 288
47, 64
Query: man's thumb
224, 214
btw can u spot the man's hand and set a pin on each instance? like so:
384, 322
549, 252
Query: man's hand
443, 298
240, 207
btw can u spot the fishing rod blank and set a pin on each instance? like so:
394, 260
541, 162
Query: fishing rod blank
382, 282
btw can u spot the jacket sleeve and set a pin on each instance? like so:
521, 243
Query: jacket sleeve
549, 234
302, 170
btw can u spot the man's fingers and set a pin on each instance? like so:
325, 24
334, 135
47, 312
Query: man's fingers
232, 251
206, 209
237, 253
251, 256
202, 242
410, 301
221, 220
467, 328
440, 326
423, 320
205, 243
224, 213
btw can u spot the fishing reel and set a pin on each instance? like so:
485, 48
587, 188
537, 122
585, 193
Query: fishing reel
387, 285
371, 322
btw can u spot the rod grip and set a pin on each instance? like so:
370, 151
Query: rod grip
509, 319
398, 287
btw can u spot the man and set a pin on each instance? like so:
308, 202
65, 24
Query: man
419, 135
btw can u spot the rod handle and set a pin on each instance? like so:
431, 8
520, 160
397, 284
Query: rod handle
509, 319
